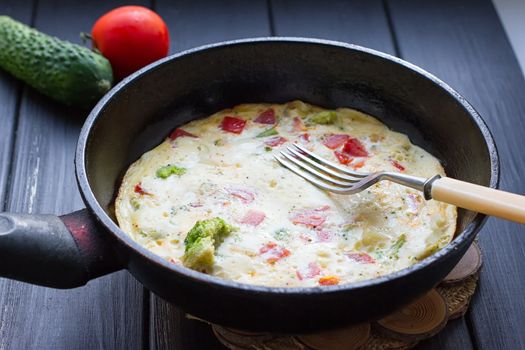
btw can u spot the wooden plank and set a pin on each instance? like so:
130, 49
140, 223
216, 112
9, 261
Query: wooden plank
107, 313
463, 43
192, 24
10, 94
360, 22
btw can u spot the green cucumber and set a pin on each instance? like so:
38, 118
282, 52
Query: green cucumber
69, 73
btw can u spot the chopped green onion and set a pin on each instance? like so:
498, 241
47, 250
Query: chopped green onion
397, 245
268, 132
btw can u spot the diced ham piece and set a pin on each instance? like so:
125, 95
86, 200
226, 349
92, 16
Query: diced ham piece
396, 164
233, 125
298, 125
355, 148
275, 141
323, 236
253, 218
329, 280
309, 271
246, 196
343, 158
175, 134
334, 141
266, 117
310, 217
361, 257
273, 252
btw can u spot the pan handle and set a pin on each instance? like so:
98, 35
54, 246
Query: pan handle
52, 251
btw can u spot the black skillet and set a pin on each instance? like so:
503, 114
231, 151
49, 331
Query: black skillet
68, 251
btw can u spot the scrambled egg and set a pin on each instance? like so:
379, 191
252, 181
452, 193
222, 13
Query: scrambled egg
285, 231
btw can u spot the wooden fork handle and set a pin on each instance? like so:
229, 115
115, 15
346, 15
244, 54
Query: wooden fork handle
482, 199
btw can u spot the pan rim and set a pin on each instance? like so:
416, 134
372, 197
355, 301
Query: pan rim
197, 277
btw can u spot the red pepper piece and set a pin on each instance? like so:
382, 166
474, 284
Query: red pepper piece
233, 125
342, 157
180, 133
355, 148
358, 165
396, 164
139, 189
329, 280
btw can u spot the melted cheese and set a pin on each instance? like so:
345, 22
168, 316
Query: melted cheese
290, 233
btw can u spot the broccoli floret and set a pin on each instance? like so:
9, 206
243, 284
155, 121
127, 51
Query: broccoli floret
324, 117
168, 170
201, 242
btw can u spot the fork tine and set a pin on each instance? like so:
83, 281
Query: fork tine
320, 166
326, 162
315, 172
312, 179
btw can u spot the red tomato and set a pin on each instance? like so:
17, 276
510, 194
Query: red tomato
355, 148
334, 141
180, 133
266, 117
232, 124
130, 37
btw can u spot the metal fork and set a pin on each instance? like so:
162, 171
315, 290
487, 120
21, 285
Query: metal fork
339, 179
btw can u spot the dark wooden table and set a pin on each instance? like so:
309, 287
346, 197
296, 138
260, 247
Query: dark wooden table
462, 42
